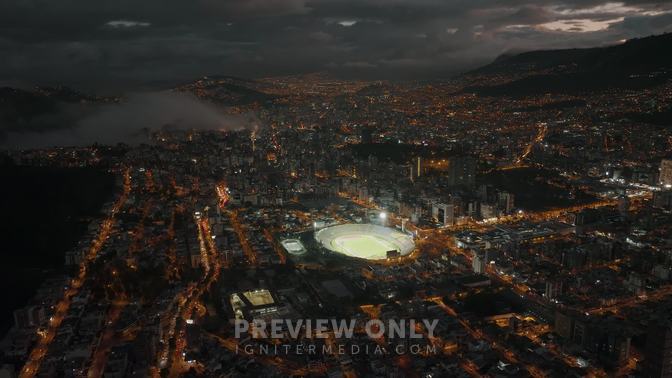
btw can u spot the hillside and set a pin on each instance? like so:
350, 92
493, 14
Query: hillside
635, 64
228, 90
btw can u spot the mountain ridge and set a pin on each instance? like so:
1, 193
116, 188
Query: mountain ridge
637, 63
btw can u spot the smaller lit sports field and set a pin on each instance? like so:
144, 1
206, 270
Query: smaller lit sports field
365, 241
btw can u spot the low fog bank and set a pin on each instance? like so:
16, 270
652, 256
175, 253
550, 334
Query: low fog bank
130, 121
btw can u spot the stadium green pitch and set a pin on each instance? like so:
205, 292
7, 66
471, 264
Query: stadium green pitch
365, 241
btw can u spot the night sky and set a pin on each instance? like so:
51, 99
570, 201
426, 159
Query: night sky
109, 45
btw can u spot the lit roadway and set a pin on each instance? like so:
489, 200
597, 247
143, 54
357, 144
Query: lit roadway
222, 194
658, 294
172, 270
107, 339
479, 335
36, 356
285, 366
541, 133
279, 250
373, 311
149, 181
240, 232
189, 301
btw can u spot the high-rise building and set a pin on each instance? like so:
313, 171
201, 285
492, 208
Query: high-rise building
505, 202
488, 210
443, 213
564, 325
611, 342
607, 338
665, 176
418, 166
553, 289
658, 351
478, 262
461, 171
663, 199
624, 205
366, 136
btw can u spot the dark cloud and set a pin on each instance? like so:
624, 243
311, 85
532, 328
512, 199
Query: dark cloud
129, 121
112, 45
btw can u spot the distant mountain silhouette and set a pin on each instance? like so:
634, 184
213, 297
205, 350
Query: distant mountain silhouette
637, 63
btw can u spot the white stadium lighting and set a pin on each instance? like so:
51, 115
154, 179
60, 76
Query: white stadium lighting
365, 241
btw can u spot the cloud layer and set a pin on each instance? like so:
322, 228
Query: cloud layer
121, 43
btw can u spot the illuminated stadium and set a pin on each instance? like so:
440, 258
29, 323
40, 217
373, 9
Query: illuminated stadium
365, 241
293, 246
